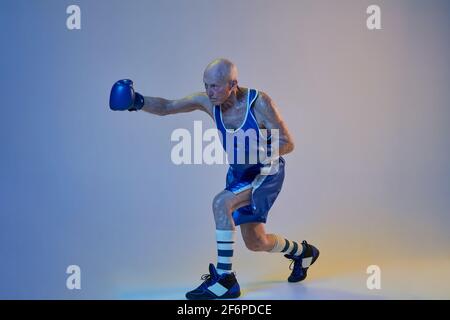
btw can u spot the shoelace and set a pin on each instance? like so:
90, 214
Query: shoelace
290, 265
207, 279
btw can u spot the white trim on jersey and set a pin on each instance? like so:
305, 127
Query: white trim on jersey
243, 123
246, 187
258, 181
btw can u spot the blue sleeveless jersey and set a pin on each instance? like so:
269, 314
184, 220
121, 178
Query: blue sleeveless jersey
245, 166
249, 143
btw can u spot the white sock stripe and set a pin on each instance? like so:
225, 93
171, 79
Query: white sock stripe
221, 271
299, 250
224, 259
275, 247
225, 235
218, 289
279, 244
225, 246
291, 246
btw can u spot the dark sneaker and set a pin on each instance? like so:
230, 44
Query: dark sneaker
302, 262
216, 286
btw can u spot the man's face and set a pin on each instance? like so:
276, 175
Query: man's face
217, 90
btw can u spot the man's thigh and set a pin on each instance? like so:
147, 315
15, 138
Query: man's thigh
235, 201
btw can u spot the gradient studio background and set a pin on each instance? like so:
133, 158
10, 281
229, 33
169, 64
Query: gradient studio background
368, 182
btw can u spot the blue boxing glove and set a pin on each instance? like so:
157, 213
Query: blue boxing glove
123, 97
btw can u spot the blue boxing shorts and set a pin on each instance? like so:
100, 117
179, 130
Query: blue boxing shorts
265, 190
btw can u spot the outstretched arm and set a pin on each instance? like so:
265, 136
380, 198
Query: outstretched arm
162, 107
124, 97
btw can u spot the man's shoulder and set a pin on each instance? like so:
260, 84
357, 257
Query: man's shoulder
263, 97
263, 102
201, 99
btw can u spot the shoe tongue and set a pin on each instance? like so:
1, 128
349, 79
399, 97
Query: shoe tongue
213, 271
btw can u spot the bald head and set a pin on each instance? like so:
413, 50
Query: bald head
222, 70
220, 78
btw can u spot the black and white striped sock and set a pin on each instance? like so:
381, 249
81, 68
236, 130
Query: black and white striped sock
287, 246
225, 242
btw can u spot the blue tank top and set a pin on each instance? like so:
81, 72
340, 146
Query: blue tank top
243, 144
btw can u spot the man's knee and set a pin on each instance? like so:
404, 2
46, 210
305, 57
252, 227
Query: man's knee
221, 204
